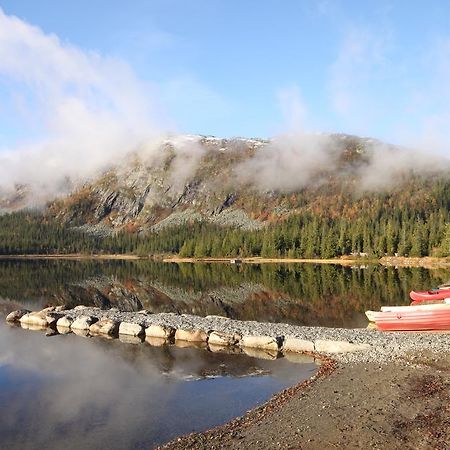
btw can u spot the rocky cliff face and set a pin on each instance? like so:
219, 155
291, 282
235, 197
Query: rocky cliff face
193, 178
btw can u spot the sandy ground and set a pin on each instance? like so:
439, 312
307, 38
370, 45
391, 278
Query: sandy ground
403, 405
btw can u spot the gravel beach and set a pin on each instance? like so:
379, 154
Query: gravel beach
361, 405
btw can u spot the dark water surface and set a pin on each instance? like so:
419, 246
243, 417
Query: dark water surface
91, 393
304, 294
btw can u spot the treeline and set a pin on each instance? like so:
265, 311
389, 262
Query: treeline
383, 232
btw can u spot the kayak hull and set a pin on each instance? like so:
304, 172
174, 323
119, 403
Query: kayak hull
429, 317
424, 296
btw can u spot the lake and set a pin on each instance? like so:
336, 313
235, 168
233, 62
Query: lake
302, 294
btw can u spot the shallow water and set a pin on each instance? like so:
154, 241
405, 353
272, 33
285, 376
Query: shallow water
73, 392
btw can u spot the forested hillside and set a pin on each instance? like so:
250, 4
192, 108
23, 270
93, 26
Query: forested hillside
230, 202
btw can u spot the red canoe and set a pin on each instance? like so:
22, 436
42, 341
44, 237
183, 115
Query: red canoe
431, 295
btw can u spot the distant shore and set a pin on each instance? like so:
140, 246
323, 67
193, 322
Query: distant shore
428, 262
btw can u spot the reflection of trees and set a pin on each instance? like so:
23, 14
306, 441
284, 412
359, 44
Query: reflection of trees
297, 293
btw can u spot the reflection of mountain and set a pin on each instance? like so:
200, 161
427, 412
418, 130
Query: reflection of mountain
301, 294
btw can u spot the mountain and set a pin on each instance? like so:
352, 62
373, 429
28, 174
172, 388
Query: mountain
228, 182
299, 196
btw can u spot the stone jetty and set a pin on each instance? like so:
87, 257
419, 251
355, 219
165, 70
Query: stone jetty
223, 334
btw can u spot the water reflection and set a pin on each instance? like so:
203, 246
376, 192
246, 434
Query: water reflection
69, 392
325, 295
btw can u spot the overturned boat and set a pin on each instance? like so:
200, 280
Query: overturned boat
412, 318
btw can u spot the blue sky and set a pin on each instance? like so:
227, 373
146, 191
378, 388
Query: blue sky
256, 68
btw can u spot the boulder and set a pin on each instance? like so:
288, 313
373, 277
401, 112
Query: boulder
107, 327
131, 329
79, 307
83, 323
63, 330
297, 345
64, 322
262, 342
191, 335
15, 316
324, 346
35, 319
224, 339
160, 331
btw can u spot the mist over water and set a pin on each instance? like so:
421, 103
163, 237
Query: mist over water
74, 392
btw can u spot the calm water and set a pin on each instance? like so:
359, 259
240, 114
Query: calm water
92, 393
307, 294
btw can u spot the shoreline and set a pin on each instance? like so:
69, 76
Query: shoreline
403, 404
427, 262
395, 383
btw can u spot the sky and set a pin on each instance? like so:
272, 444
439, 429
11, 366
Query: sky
253, 68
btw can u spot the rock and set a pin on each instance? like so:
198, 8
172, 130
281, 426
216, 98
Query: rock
64, 322
83, 323
63, 330
297, 345
15, 316
324, 346
51, 320
262, 342
60, 308
131, 329
160, 331
191, 335
107, 327
223, 339
47, 310
35, 319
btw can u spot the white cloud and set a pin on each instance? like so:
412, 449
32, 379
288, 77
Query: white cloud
87, 108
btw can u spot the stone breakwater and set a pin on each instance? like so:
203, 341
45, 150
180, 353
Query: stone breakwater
223, 334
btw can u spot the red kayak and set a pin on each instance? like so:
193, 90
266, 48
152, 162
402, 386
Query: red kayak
412, 318
431, 295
